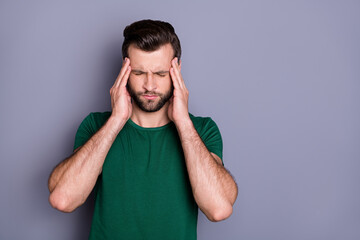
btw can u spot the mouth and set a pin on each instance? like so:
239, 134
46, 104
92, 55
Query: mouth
150, 97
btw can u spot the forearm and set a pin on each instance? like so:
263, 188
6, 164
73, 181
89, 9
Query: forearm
214, 189
59, 170
72, 181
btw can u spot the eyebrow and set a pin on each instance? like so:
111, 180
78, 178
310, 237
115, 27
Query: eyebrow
161, 72
136, 70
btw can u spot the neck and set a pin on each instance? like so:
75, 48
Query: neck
150, 119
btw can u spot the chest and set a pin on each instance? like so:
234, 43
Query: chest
150, 160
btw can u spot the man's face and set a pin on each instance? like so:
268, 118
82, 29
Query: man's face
150, 85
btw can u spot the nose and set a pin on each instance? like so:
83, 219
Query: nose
150, 83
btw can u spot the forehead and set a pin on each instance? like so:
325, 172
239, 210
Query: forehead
157, 60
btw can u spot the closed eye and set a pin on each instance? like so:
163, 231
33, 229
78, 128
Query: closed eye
137, 72
162, 73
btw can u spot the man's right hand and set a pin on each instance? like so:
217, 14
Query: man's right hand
120, 97
72, 180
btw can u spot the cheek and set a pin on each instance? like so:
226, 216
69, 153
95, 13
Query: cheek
131, 85
168, 82
133, 81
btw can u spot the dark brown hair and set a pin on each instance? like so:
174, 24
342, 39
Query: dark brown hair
149, 35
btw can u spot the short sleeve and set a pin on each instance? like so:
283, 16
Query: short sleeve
84, 132
211, 136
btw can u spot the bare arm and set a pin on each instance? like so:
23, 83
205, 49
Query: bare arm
72, 180
213, 187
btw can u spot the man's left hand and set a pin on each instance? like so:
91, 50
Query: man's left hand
178, 108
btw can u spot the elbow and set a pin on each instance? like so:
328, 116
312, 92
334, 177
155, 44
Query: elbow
221, 214
60, 203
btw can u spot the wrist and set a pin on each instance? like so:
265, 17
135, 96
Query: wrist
115, 124
184, 123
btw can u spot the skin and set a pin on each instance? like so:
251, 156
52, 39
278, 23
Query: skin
147, 73
150, 72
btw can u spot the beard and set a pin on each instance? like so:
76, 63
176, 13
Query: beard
148, 105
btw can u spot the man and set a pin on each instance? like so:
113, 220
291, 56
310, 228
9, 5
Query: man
149, 161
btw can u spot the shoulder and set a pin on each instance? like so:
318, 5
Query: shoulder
95, 120
197, 118
100, 115
209, 133
202, 124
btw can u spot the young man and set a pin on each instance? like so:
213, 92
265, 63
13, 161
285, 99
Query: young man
149, 161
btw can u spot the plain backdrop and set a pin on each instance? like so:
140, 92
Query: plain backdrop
280, 78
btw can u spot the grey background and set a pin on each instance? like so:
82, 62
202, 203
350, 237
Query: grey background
280, 78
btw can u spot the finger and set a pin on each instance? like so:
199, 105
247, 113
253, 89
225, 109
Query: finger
125, 78
174, 78
122, 72
177, 73
173, 74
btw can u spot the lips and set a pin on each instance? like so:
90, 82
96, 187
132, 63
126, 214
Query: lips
150, 97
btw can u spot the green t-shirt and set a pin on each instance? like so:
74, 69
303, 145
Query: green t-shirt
144, 190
